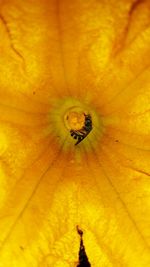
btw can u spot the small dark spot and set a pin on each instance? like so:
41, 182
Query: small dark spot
33, 92
80, 232
116, 141
21, 247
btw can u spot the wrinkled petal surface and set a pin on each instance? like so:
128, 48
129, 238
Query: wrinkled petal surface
97, 52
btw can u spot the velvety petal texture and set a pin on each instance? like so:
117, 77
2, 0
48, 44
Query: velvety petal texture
63, 64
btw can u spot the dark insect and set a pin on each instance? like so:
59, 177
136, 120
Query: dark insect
79, 135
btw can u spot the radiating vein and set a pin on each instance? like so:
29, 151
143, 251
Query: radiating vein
31, 196
120, 199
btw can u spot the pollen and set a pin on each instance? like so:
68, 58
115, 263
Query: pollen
76, 120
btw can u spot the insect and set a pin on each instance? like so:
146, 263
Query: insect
79, 135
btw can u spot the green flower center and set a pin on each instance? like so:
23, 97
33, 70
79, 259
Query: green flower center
71, 119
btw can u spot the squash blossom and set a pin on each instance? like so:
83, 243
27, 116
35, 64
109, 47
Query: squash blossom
74, 133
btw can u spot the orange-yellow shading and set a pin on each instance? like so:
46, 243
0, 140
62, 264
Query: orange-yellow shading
96, 52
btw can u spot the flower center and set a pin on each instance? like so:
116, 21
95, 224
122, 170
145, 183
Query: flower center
79, 123
74, 119
71, 119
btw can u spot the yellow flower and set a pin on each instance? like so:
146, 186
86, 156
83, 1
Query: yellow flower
74, 69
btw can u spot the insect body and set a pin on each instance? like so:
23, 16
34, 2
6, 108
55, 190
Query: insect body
79, 135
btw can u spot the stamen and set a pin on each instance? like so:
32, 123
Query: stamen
81, 133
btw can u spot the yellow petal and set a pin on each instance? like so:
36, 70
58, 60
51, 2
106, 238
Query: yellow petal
92, 57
